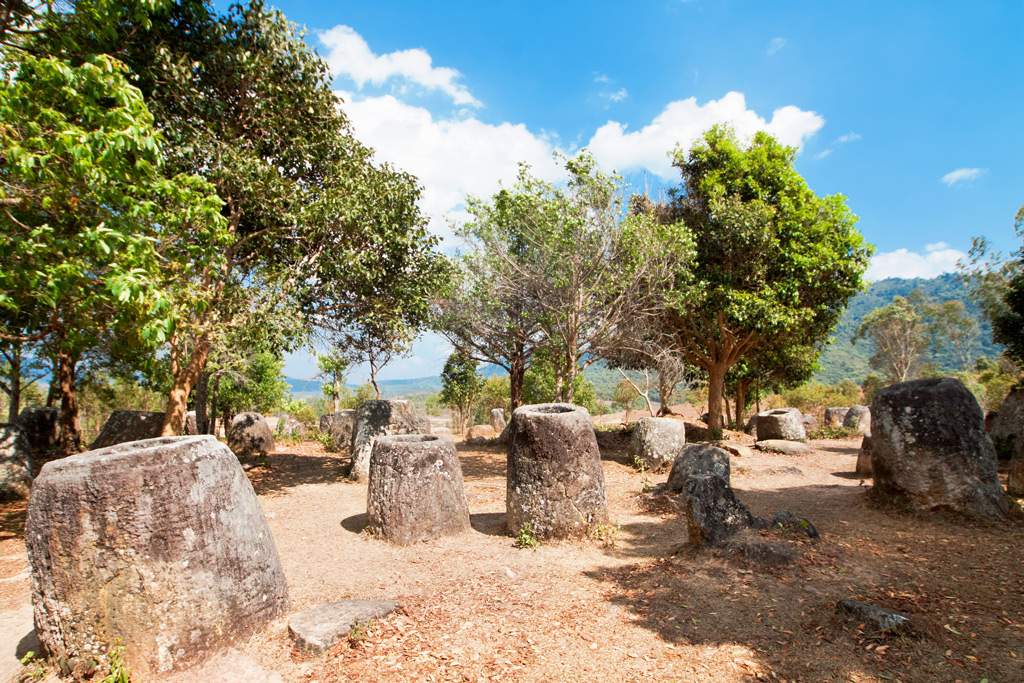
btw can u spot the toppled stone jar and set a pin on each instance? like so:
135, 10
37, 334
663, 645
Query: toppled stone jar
159, 544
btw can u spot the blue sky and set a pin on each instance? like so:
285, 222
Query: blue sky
912, 110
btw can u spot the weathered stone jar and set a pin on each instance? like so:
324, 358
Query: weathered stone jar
555, 482
374, 419
929, 445
160, 544
786, 424
415, 489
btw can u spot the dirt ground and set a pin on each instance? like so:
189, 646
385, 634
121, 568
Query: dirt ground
635, 605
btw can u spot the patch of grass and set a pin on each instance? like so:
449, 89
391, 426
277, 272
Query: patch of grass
120, 672
606, 534
828, 432
34, 669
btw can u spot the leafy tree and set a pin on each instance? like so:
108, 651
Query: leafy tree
334, 368
320, 235
772, 258
98, 236
952, 324
261, 388
1008, 319
627, 396
900, 334
493, 394
571, 273
460, 385
375, 342
22, 365
541, 386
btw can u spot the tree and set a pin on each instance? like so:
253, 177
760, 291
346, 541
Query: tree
953, 325
572, 272
1008, 317
900, 334
375, 342
334, 370
318, 233
261, 388
98, 236
460, 385
772, 258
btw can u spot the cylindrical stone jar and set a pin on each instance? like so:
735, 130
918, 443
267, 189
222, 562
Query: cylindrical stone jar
555, 481
415, 489
160, 544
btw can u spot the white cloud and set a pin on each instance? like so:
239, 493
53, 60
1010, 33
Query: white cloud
450, 157
962, 175
842, 139
683, 121
616, 96
349, 55
823, 153
849, 137
601, 78
776, 45
938, 258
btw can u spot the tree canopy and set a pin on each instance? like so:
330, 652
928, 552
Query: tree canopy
771, 259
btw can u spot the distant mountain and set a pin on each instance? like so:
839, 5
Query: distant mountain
843, 359
389, 388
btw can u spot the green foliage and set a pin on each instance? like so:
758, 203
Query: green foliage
540, 382
872, 383
119, 672
1008, 321
262, 390
334, 368
351, 398
433, 405
525, 537
625, 396
814, 397
899, 333
33, 670
830, 432
460, 385
495, 393
607, 534
773, 260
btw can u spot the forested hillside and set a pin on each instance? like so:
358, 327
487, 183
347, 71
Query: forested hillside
846, 360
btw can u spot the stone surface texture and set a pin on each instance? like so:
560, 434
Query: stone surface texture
929, 445
498, 422
41, 426
697, 459
858, 418
782, 423
555, 479
1015, 480
250, 435
415, 491
783, 446
834, 416
15, 462
877, 618
480, 434
191, 424
864, 458
713, 513
1008, 424
321, 627
340, 426
159, 543
374, 419
656, 441
129, 425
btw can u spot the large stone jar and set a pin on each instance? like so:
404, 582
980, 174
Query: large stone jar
160, 544
929, 445
374, 419
782, 423
415, 489
555, 482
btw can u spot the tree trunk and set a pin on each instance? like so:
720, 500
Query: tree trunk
53, 392
516, 379
14, 381
70, 428
728, 415
201, 402
716, 387
212, 427
185, 377
741, 404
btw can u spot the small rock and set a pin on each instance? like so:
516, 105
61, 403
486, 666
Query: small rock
478, 435
321, 627
881, 618
735, 448
783, 446
762, 553
508, 572
792, 471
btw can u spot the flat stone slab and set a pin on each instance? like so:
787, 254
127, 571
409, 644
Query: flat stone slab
735, 448
784, 447
321, 627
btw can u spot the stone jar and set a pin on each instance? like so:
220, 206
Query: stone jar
786, 424
929, 446
555, 482
415, 489
160, 544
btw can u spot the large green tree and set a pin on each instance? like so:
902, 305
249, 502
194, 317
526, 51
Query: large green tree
316, 226
900, 333
98, 235
772, 257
